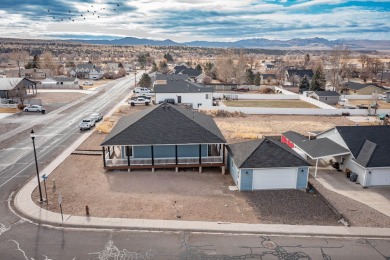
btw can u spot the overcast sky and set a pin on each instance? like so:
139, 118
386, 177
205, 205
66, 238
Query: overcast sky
183, 20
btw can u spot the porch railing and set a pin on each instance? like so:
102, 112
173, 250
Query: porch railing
164, 161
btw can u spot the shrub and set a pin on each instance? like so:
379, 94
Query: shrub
223, 113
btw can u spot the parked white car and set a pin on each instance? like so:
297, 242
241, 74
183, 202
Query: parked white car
87, 83
141, 90
34, 108
139, 101
96, 116
87, 124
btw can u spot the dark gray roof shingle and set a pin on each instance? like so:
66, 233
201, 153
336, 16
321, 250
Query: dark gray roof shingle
181, 86
356, 136
264, 153
294, 137
321, 147
327, 93
191, 72
358, 86
169, 125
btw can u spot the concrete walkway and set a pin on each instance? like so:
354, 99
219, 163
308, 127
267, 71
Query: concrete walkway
29, 209
377, 198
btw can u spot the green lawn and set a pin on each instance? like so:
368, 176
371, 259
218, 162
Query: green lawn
269, 103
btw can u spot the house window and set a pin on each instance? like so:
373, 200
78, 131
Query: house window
129, 151
207, 96
199, 104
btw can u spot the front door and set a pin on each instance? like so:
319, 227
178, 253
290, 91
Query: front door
178, 99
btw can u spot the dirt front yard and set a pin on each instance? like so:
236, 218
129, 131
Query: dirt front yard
188, 194
54, 100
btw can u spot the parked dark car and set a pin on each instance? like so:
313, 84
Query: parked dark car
170, 101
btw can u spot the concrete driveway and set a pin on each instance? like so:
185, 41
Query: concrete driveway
377, 198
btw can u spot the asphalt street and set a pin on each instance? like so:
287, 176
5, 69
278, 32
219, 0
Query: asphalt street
22, 239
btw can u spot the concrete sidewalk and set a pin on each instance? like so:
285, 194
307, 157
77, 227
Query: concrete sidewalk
377, 198
29, 209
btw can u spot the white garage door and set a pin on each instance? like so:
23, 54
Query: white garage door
380, 177
272, 179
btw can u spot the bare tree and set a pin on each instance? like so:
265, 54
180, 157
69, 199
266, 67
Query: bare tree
225, 67
46, 61
18, 91
21, 58
240, 68
336, 64
251, 59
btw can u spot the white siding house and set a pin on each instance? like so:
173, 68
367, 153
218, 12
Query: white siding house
184, 92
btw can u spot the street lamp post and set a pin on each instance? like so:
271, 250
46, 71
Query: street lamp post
36, 166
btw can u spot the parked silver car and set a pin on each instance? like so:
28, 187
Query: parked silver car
96, 116
87, 124
34, 108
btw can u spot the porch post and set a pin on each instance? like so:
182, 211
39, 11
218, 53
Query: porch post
109, 152
152, 154
315, 172
223, 153
200, 154
177, 161
104, 156
128, 155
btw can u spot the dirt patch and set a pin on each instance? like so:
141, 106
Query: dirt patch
54, 100
4, 128
9, 110
291, 207
257, 126
188, 195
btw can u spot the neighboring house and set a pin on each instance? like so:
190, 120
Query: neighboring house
269, 66
184, 92
87, 71
328, 97
363, 150
12, 88
179, 68
193, 74
354, 88
33, 74
60, 82
297, 74
164, 136
266, 164
267, 79
161, 79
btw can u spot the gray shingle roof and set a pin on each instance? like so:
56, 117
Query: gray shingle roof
179, 68
86, 66
356, 136
327, 93
300, 73
160, 76
181, 86
191, 72
357, 86
165, 124
264, 153
321, 147
294, 137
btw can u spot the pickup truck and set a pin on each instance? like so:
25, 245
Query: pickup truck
139, 101
141, 90
87, 124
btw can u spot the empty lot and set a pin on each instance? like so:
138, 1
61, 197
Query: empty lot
269, 103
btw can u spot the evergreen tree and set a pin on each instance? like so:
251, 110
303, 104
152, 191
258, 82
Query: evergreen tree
168, 57
257, 79
154, 67
249, 77
318, 81
145, 81
198, 67
304, 85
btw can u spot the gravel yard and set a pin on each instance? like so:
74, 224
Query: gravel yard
293, 207
356, 213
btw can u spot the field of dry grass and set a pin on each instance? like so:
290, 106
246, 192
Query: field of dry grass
8, 110
269, 103
382, 104
256, 126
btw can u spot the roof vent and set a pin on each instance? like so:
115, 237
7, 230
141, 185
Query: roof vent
163, 106
168, 106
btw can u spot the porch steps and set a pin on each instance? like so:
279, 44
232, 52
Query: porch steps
87, 152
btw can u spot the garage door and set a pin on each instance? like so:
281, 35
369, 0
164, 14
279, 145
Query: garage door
272, 179
380, 177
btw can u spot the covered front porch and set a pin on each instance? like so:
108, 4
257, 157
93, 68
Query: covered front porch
164, 156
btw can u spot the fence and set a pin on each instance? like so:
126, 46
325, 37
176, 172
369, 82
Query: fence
299, 111
356, 96
242, 96
8, 105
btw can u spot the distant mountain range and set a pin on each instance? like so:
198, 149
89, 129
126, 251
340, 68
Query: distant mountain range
309, 43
